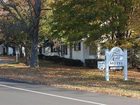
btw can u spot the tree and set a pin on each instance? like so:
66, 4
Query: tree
134, 19
109, 22
94, 20
134, 26
13, 34
27, 12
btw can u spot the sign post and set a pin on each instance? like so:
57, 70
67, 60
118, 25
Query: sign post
107, 65
116, 58
125, 65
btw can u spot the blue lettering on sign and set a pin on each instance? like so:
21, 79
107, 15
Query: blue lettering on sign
116, 57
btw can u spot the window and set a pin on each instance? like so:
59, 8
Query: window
102, 51
54, 50
77, 46
64, 49
92, 50
44, 50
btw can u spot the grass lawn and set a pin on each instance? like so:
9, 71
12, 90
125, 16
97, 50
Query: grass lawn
75, 78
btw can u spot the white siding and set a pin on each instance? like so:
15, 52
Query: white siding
86, 53
79, 54
47, 52
10, 51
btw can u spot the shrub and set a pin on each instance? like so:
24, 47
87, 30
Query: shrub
71, 62
41, 56
61, 60
92, 63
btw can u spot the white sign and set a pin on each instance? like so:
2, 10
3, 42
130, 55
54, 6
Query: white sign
116, 58
116, 68
101, 65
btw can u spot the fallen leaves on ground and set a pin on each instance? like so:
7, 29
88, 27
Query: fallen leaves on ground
76, 78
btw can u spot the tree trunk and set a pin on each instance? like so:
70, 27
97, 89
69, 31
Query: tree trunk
34, 52
14, 51
6, 52
40, 50
21, 53
27, 56
70, 51
17, 54
34, 33
34, 44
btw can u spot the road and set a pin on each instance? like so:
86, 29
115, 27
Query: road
22, 93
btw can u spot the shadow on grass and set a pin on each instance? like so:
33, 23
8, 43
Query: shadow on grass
78, 78
131, 84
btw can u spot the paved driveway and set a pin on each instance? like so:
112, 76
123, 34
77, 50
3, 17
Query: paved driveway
22, 93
